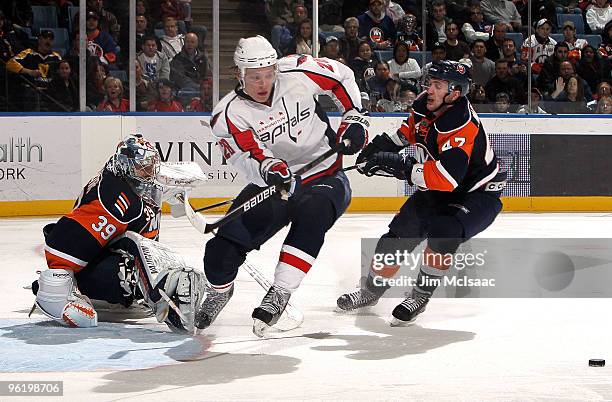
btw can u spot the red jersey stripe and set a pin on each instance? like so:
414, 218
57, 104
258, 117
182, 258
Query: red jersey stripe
246, 141
336, 87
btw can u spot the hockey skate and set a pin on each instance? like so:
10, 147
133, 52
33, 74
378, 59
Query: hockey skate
407, 311
367, 296
211, 307
270, 309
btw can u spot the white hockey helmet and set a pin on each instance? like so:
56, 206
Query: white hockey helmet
254, 52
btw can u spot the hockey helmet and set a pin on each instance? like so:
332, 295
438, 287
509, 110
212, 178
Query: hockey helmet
137, 161
254, 52
456, 74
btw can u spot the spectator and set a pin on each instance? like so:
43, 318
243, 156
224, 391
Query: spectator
504, 82
94, 83
377, 27
550, 68
439, 20
539, 46
6, 53
459, 9
155, 64
482, 69
350, 43
502, 12
203, 103
288, 32
476, 28
331, 50
390, 102
604, 105
408, 94
113, 101
590, 67
438, 53
402, 67
99, 42
509, 52
165, 102
142, 9
63, 90
568, 96
496, 42
603, 89
36, 68
502, 103
172, 8
407, 33
377, 84
363, 65
171, 42
282, 18
605, 48
186, 6
569, 35
455, 49
536, 97
19, 13
567, 7
567, 70
302, 42
190, 67
598, 15
107, 20
142, 30
145, 89
366, 103
330, 15
478, 98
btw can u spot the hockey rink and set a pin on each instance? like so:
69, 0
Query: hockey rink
459, 349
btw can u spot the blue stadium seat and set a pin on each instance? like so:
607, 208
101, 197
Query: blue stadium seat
61, 41
594, 40
518, 39
557, 37
121, 74
575, 18
159, 33
384, 55
418, 56
44, 16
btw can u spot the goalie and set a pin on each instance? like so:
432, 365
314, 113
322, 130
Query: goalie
106, 249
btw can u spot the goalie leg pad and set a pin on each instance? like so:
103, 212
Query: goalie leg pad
57, 299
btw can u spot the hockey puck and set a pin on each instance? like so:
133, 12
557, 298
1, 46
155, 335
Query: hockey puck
597, 362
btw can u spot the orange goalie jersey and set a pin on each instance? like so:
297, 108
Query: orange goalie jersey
107, 208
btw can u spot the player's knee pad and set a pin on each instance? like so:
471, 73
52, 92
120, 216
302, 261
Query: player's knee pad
57, 299
315, 216
222, 258
445, 234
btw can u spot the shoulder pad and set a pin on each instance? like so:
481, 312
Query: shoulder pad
118, 199
455, 117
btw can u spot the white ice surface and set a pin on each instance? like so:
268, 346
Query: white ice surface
461, 349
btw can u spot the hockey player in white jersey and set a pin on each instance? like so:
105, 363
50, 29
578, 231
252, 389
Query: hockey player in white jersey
269, 127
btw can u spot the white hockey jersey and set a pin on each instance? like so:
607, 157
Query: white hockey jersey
293, 127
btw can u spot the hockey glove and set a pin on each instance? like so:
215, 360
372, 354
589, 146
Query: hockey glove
275, 172
400, 166
380, 143
357, 136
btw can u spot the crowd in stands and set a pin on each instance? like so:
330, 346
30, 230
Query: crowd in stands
388, 45
383, 42
39, 51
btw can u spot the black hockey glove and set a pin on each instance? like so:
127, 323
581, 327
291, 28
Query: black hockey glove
380, 143
275, 172
399, 166
357, 136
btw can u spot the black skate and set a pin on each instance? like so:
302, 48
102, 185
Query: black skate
407, 311
211, 307
270, 309
367, 296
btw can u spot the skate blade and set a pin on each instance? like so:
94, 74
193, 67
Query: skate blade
394, 322
260, 328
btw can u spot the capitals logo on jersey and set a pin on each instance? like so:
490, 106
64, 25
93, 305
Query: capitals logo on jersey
282, 123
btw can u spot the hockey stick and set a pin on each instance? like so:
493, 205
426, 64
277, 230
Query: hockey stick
268, 192
294, 316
